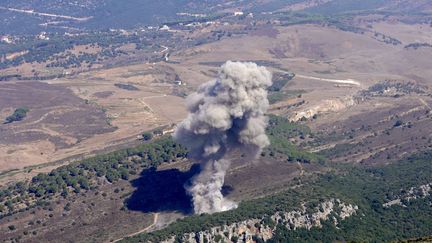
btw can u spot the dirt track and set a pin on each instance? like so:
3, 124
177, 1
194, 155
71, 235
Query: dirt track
155, 219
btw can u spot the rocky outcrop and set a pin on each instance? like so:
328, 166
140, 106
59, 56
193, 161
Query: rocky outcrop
331, 105
246, 231
413, 193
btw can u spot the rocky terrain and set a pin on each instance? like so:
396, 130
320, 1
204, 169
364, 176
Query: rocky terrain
252, 229
412, 194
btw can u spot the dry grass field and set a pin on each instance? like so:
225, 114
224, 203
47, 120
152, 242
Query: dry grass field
77, 116
57, 120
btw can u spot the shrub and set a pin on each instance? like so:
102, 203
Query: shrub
147, 136
18, 115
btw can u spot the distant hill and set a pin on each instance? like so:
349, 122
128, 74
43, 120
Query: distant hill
339, 6
34, 16
410, 6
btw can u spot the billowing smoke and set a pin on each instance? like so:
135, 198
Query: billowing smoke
225, 115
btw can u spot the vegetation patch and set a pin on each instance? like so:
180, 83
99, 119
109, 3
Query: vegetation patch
369, 188
281, 132
18, 115
275, 97
276, 92
416, 46
129, 87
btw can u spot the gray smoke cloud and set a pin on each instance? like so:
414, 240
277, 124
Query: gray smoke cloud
225, 115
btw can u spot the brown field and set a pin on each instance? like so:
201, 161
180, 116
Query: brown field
94, 116
57, 120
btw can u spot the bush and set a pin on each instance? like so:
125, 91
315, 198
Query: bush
18, 115
147, 136
398, 123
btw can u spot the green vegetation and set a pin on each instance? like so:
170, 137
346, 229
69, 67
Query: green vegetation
426, 239
18, 115
280, 132
56, 50
337, 150
276, 92
120, 165
416, 46
275, 97
398, 123
279, 81
368, 188
249, 209
129, 87
82, 175
147, 136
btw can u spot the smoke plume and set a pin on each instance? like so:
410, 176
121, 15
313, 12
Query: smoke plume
225, 115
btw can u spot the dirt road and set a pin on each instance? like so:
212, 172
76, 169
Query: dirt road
155, 219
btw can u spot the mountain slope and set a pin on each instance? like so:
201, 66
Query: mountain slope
50, 15
34, 16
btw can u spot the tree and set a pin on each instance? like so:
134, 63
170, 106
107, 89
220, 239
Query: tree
234, 238
398, 123
18, 115
124, 173
112, 175
147, 136
84, 183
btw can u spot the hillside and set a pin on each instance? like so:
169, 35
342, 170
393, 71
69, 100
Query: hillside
361, 212
59, 15
31, 17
